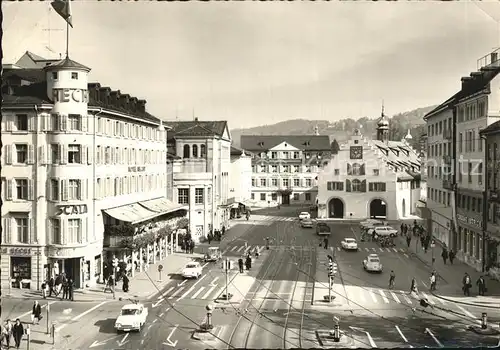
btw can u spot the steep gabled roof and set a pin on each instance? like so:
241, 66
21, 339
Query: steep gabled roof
491, 129
259, 143
196, 128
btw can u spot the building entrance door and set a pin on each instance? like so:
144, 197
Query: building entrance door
378, 209
285, 199
336, 208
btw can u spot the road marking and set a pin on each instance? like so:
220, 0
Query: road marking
389, 250
213, 282
401, 334
381, 250
374, 249
154, 320
176, 292
338, 248
240, 248
431, 301
169, 290
395, 297
408, 300
204, 265
433, 337
425, 284
395, 250
76, 318
208, 292
362, 295
406, 256
161, 315
192, 288
29, 312
373, 296
367, 249
370, 339
465, 312
401, 250
198, 292
233, 248
383, 296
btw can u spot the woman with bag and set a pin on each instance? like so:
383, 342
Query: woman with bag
36, 312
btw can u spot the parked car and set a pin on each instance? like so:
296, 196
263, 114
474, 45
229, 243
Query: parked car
322, 229
372, 224
132, 317
349, 244
306, 223
193, 269
368, 222
372, 263
384, 231
304, 215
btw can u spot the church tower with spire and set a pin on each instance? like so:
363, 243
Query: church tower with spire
383, 127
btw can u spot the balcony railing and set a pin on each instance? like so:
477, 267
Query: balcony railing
448, 134
447, 159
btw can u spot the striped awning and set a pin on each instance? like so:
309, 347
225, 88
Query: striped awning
132, 213
162, 205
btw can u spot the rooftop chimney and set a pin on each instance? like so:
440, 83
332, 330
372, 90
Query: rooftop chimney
196, 119
141, 106
465, 81
133, 104
115, 98
494, 57
124, 101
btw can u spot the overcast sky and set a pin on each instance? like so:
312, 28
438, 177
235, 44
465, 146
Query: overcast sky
255, 63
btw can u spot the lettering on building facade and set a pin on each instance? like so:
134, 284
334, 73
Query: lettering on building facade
70, 95
71, 209
16, 251
470, 221
136, 169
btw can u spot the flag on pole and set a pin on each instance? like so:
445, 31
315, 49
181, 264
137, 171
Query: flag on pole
63, 8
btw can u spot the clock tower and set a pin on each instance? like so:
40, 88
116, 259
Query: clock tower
383, 127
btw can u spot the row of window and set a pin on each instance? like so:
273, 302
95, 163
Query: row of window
274, 196
194, 151
118, 186
284, 182
439, 196
199, 195
78, 123
290, 155
469, 171
472, 110
439, 127
60, 154
439, 149
470, 141
20, 228
470, 242
356, 186
285, 169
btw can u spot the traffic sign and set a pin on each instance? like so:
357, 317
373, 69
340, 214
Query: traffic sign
160, 267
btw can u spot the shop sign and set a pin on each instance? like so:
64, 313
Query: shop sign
16, 251
470, 221
71, 209
70, 95
136, 169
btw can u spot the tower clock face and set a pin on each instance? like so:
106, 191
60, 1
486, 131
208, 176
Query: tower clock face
356, 152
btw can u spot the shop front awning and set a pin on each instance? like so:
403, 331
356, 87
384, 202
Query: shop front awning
162, 205
132, 213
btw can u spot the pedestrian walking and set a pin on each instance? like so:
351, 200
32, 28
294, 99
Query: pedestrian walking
36, 312
65, 290
481, 284
248, 263
466, 284
44, 288
413, 287
223, 229
51, 286
433, 281
17, 332
444, 255
408, 240
451, 256
191, 247
325, 242
7, 333
209, 238
125, 283
402, 228
240, 264
71, 287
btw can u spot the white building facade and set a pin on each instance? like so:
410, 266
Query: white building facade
284, 168
240, 177
201, 172
370, 178
78, 161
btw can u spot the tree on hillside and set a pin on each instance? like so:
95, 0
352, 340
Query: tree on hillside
335, 146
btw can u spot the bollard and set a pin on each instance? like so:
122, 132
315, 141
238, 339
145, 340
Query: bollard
28, 340
336, 333
484, 320
48, 311
53, 333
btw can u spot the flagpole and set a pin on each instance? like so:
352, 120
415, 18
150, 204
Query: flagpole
67, 39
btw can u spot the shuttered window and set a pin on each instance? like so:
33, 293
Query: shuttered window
22, 229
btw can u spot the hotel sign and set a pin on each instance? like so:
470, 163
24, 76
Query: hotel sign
71, 209
70, 95
136, 169
470, 221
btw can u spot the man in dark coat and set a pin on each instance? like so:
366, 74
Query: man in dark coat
36, 312
466, 284
125, 283
71, 287
17, 332
65, 289
51, 286
240, 264
481, 284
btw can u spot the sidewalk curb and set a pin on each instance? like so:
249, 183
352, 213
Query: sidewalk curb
464, 303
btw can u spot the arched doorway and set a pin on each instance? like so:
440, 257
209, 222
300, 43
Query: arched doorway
336, 208
403, 208
378, 209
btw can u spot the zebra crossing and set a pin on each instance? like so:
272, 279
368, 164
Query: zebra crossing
266, 220
243, 249
378, 250
205, 292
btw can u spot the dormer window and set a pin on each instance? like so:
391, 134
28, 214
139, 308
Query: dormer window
263, 155
308, 155
74, 75
320, 155
54, 75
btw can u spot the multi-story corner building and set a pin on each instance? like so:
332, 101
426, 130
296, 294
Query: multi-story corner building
477, 106
201, 172
284, 168
240, 178
80, 162
370, 178
492, 216
440, 170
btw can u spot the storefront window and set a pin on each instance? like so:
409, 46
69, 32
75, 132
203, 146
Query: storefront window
459, 239
97, 268
20, 270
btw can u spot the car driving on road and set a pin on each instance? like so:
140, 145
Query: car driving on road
349, 244
132, 317
306, 223
192, 270
384, 231
304, 215
372, 263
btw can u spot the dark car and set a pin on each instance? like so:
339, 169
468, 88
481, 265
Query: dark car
322, 228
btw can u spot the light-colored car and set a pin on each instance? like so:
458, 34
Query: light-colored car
193, 269
306, 223
372, 263
304, 215
369, 222
371, 225
384, 231
349, 244
132, 317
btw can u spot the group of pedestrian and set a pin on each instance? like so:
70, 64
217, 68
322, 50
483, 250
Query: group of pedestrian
247, 263
188, 244
445, 254
10, 331
57, 285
